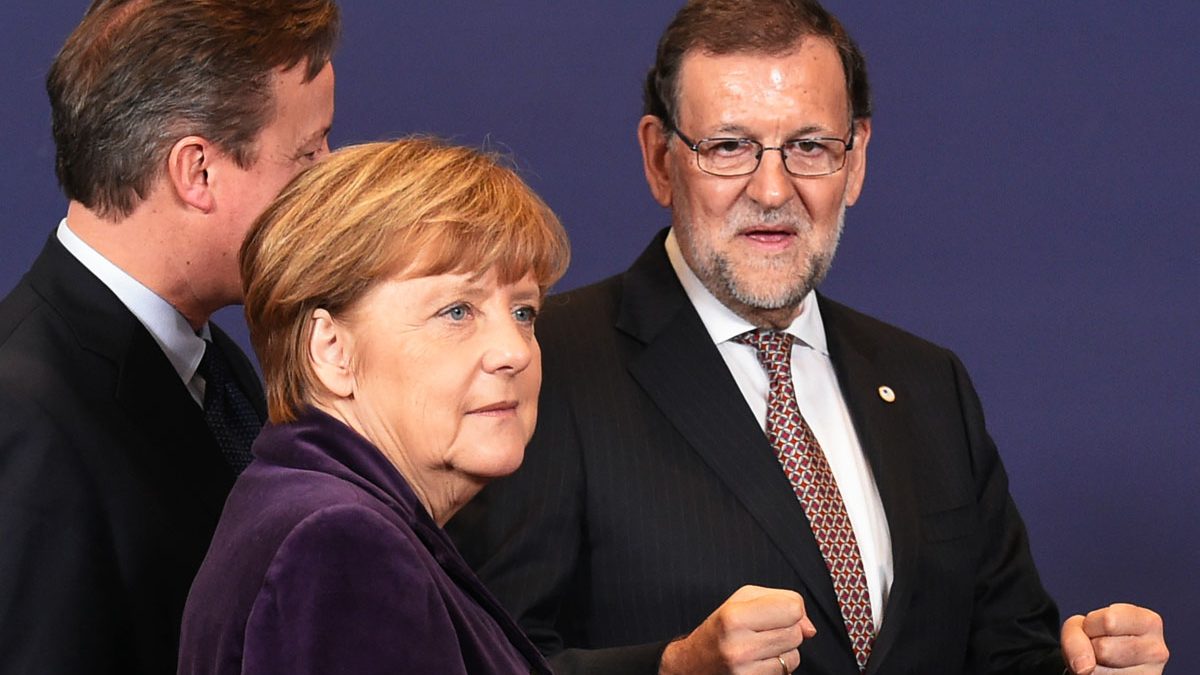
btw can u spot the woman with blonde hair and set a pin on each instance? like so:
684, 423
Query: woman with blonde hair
391, 293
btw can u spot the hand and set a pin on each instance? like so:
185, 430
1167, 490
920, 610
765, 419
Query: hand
1119, 639
746, 635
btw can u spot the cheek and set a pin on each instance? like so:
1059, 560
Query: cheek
711, 205
274, 184
529, 385
823, 200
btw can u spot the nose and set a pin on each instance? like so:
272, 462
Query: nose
510, 348
771, 186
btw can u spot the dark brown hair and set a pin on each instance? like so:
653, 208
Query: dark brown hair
766, 26
137, 75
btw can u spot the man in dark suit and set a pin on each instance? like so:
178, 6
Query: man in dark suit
651, 528
125, 414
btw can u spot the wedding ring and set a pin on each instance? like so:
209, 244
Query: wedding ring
784, 664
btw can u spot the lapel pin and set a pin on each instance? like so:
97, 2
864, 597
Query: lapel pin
886, 393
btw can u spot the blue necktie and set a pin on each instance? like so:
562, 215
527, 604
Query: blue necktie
227, 410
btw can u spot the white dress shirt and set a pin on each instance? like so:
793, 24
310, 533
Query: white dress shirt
820, 399
183, 346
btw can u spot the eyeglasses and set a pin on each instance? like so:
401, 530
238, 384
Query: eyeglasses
804, 157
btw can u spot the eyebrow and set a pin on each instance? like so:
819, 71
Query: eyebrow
474, 288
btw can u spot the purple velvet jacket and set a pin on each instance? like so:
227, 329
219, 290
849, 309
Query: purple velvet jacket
325, 562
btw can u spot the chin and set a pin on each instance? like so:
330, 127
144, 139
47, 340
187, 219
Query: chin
497, 463
513, 463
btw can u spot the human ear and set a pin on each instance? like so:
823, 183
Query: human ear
856, 160
329, 350
188, 164
652, 137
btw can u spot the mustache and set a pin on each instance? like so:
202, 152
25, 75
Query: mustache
746, 215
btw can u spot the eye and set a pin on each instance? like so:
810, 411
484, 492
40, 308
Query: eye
460, 312
727, 147
312, 156
525, 314
320, 150
807, 147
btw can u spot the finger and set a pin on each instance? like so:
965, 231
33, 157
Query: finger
789, 661
779, 609
768, 644
1122, 619
780, 664
1129, 651
750, 592
1077, 647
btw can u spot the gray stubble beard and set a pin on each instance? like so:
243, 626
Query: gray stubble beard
716, 270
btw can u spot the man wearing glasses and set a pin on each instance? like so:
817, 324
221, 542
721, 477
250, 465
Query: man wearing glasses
733, 473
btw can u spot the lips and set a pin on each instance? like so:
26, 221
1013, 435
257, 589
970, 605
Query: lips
768, 235
498, 408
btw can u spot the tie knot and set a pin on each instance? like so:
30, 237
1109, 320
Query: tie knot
774, 347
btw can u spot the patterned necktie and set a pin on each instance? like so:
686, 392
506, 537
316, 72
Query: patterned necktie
804, 464
227, 411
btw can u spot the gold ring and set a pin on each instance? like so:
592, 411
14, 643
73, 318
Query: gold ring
784, 664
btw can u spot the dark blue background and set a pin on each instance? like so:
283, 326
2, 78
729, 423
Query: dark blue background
1031, 202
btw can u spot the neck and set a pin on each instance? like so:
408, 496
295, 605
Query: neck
440, 489
144, 245
767, 319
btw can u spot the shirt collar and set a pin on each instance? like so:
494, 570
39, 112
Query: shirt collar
723, 324
174, 335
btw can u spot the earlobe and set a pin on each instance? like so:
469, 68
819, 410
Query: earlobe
329, 347
856, 161
653, 140
188, 166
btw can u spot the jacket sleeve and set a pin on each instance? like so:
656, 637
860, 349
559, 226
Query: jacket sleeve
1014, 624
347, 592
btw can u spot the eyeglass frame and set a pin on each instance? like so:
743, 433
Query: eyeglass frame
694, 146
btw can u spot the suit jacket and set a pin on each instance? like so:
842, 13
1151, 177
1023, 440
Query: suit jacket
649, 494
110, 482
325, 562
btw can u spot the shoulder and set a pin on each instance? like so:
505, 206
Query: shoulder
51, 389
579, 326
61, 333
353, 562
273, 504
589, 305
34, 338
325, 583
16, 308
284, 528
346, 532
58, 389
846, 327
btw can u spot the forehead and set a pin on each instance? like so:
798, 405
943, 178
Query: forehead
804, 87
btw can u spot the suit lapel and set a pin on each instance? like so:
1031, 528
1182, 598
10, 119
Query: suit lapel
887, 440
678, 362
181, 451
169, 441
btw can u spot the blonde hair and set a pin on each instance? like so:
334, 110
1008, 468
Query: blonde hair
416, 205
